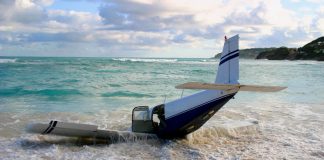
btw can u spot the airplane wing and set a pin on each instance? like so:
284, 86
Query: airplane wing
229, 87
83, 130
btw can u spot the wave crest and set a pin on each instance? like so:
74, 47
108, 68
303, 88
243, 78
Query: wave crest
44, 92
144, 60
125, 94
8, 60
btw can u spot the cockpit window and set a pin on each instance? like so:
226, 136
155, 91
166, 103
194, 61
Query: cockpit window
140, 115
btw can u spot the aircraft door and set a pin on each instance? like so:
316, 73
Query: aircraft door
142, 120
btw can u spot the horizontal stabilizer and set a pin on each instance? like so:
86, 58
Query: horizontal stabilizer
229, 87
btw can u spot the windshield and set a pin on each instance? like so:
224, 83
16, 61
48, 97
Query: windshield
141, 115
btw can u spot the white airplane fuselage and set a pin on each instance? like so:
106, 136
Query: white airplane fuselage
185, 115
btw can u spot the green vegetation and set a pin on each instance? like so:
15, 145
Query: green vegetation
250, 53
311, 51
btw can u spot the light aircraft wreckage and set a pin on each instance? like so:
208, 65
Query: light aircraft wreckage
179, 117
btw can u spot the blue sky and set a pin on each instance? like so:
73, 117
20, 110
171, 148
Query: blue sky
76, 5
153, 28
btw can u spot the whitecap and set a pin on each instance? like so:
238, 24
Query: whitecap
144, 60
7, 60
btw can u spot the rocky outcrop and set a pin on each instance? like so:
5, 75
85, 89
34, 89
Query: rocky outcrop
281, 53
311, 51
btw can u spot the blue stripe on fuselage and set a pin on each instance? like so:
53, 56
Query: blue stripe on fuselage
228, 58
229, 54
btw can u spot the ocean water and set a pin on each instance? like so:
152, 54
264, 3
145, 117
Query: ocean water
103, 91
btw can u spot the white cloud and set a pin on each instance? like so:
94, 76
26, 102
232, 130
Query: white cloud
24, 11
154, 25
44, 2
320, 24
199, 19
73, 20
315, 1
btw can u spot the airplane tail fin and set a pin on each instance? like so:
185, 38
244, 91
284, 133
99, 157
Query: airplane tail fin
228, 73
228, 69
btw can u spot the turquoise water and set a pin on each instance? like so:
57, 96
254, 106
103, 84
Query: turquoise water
103, 91
86, 84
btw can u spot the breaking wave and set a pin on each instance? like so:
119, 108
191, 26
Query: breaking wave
144, 60
44, 92
125, 94
7, 60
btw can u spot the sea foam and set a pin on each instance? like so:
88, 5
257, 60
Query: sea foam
144, 60
7, 60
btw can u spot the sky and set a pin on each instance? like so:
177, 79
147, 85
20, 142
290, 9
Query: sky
153, 28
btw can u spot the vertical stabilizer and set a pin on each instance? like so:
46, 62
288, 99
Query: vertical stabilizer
228, 69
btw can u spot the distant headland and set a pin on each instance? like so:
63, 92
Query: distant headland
311, 51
